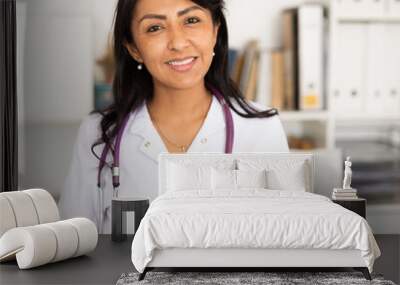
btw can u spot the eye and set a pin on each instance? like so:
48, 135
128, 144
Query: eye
153, 29
192, 20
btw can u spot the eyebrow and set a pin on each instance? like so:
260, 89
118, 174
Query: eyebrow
163, 17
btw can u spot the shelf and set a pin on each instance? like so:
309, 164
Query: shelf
347, 20
304, 115
313, 151
366, 118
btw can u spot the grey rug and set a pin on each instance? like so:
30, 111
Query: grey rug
268, 278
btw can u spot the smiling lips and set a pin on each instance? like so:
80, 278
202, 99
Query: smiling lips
182, 65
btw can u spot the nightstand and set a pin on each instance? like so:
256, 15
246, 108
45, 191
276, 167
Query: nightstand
358, 206
118, 216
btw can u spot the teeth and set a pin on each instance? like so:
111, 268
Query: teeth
183, 62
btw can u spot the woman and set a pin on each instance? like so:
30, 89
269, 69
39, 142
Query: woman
171, 60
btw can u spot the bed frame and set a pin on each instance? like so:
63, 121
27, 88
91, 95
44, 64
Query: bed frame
250, 259
256, 259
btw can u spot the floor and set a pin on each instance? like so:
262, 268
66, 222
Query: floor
389, 262
110, 260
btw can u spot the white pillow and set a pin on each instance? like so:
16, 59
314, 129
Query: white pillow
223, 179
282, 174
251, 178
295, 180
183, 177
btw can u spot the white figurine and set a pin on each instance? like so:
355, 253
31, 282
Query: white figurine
347, 174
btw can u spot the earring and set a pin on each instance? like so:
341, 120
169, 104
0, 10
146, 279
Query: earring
213, 53
140, 66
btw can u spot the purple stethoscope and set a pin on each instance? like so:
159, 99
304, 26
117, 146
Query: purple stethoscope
115, 166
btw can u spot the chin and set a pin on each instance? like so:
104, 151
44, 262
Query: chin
185, 83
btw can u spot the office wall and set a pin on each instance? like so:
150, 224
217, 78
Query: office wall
63, 38
57, 46
56, 58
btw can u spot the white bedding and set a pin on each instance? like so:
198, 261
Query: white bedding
251, 218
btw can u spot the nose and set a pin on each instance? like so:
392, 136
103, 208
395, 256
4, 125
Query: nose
178, 39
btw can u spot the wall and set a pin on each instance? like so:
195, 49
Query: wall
21, 27
58, 61
103, 16
58, 41
63, 38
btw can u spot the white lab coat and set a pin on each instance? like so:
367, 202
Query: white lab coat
140, 147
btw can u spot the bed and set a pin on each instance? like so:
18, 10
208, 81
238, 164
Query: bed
247, 210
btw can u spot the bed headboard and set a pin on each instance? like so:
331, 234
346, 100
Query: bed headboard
283, 161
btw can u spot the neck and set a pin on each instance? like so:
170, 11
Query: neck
179, 104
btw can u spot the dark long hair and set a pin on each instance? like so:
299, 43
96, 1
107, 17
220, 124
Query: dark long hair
133, 87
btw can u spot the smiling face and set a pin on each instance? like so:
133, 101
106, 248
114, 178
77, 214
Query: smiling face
175, 40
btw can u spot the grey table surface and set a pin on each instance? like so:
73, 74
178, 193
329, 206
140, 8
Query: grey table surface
102, 266
110, 259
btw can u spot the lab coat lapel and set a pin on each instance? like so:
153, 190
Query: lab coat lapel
141, 125
214, 123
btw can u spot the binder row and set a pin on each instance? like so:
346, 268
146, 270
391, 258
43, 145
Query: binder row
365, 62
350, 67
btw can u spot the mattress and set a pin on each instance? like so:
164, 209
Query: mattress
252, 219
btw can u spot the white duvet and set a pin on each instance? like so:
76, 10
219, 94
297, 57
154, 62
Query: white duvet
250, 219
